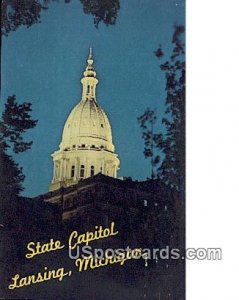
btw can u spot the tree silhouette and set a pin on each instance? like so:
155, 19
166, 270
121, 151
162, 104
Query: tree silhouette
172, 143
105, 11
15, 13
16, 120
147, 122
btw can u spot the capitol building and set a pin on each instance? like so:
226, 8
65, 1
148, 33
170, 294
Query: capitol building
86, 148
85, 192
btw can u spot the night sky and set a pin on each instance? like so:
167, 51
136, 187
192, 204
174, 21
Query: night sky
44, 64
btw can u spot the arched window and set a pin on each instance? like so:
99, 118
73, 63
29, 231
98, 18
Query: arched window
82, 171
92, 171
72, 171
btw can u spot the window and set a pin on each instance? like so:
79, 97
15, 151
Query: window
106, 221
83, 145
72, 171
92, 171
82, 171
73, 146
92, 146
102, 125
145, 203
88, 88
68, 203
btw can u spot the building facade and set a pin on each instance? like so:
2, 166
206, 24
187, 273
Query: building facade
85, 192
146, 214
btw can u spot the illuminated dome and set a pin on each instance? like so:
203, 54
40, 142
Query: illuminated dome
87, 125
86, 147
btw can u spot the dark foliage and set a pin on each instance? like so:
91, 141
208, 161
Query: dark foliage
11, 175
172, 170
16, 13
159, 52
147, 122
172, 143
16, 213
102, 10
16, 120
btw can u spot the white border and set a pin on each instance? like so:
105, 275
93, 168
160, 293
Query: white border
213, 146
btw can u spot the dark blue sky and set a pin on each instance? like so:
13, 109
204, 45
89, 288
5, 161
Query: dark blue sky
44, 65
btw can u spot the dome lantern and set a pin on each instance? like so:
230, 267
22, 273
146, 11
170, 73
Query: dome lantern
89, 81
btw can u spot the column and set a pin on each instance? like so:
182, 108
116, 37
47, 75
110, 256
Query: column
61, 170
103, 167
57, 170
64, 168
87, 174
76, 168
114, 171
54, 170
